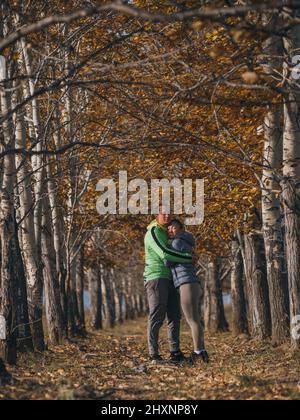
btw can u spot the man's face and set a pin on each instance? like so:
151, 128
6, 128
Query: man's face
163, 218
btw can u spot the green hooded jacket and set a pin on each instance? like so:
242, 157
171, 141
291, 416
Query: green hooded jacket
157, 250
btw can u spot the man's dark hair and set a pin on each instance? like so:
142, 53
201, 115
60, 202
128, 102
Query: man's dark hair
177, 223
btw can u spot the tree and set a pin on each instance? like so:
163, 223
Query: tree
8, 234
80, 292
25, 221
162, 94
240, 321
215, 313
54, 312
291, 172
95, 291
271, 206
257, 286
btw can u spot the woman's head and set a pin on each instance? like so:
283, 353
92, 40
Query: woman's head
175, 226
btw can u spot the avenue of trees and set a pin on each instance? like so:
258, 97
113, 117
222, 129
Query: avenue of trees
188, 89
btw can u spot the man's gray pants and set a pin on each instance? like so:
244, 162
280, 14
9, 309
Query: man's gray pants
164, 301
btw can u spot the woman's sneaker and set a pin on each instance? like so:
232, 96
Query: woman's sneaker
203, 355
177, 357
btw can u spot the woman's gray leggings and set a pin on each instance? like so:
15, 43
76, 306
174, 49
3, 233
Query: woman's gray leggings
190, 294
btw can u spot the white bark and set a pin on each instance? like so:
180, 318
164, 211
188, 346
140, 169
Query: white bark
37, 160
272, 229
58, 237
257, 287
52, 295
33, 267
239, 312
8, 305
291, 172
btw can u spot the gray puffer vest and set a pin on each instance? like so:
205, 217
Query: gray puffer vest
184, 273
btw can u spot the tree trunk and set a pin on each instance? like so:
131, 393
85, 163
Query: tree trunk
125, 307
80, 292
37, 160
291, 171
95, 291
24, 335
32, 236
25, 341
273, 238
257, 285
216, 320
71, 297
71, 245
207, 302
291, 200
271, 208
57, 218
240, 322
33, 268
8, 281
52, 297
108, 300
121, 297
116, 297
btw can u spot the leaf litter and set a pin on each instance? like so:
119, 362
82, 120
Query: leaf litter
113, 365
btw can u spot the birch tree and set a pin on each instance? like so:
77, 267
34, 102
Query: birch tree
95, 291
271, 206
214, 312
29, 254
291, 171
51, 281
8, 234
81, 328
239, 321
257, 286
30, 208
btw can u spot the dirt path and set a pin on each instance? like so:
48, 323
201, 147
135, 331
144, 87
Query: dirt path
113, 365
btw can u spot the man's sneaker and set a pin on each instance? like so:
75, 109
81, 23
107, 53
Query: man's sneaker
177, 357
203, 355
156, 358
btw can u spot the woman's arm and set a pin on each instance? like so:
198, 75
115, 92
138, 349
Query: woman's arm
158, 245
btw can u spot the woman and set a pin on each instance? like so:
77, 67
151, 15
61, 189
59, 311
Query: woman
186, 281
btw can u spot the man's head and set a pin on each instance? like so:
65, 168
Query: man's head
164, 217
175, 227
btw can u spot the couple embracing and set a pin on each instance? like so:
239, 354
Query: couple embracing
171, 285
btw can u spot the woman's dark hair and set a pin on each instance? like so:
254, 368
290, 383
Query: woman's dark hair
177, 223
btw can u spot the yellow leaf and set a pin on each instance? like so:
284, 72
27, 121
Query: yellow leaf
250, 77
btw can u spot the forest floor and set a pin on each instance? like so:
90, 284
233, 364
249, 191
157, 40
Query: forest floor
113, 365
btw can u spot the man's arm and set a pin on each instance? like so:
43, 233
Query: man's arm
158, 245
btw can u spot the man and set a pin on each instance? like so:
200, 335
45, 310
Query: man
163, 298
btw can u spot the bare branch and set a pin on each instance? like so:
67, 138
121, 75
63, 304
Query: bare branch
216, 15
